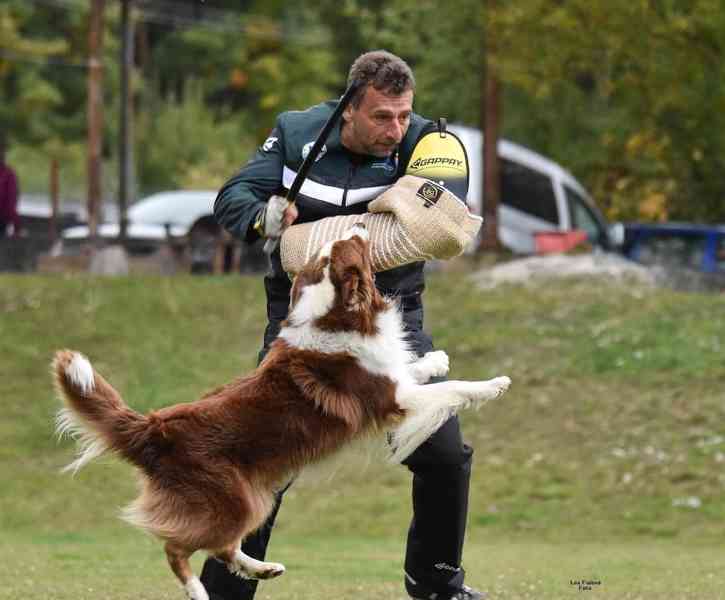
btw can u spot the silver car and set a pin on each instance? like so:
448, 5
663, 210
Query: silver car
152, 220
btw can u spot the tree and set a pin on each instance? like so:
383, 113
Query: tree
618, 91
95, 113
492, 118
25, 86
626, 94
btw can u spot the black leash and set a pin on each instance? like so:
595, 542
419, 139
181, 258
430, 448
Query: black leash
314, 152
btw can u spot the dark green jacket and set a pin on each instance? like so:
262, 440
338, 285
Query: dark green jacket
339, 183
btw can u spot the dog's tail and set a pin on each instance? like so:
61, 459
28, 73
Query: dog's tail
95, 415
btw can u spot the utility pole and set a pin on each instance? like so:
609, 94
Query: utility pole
491, 115
95, 114
126, 171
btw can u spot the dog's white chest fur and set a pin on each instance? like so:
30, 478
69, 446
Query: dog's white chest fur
385, 353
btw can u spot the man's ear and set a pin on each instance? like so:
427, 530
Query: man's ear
347, 113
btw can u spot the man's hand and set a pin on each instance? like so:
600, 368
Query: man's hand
278, 215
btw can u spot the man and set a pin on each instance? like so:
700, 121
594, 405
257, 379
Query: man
8, 196
363, 156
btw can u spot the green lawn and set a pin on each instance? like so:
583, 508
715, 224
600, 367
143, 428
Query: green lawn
603, 462
117, 565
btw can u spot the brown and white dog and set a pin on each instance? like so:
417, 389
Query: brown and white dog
209, 469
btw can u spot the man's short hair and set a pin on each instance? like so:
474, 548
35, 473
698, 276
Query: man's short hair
385, 71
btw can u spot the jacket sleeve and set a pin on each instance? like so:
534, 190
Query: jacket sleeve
242, 197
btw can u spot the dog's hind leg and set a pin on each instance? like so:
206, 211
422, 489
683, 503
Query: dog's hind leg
256, 503
178, 557
245, 566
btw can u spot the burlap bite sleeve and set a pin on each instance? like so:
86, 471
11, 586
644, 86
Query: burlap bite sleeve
413, 220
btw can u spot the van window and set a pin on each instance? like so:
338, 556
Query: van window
528, 191
582, 217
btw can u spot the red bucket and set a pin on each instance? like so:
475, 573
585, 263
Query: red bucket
551, 242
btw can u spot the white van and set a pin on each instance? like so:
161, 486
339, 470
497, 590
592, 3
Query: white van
537, 195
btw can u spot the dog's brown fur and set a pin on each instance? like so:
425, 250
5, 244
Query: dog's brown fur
209, 468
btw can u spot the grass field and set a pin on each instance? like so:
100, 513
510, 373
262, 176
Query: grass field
604, 462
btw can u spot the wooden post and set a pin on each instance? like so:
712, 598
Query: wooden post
54, 201
491, 118
125, 154
222, 243
95, 114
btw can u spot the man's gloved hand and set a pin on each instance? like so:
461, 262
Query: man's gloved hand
275, 217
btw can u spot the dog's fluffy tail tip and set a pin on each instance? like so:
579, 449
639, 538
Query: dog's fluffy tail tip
74, 368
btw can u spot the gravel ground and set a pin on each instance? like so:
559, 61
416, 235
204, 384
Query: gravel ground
537, 269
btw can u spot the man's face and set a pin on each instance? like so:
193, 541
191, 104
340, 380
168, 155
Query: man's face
377, 126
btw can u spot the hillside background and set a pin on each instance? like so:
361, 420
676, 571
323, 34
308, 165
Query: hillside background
604, 460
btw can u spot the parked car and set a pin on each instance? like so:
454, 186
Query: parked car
20, 253
178, 211
677, 246
167, 214
537, 195
36, 212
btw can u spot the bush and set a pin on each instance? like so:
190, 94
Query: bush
184, 145
32, 164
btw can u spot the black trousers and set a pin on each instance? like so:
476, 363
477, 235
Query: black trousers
441, 469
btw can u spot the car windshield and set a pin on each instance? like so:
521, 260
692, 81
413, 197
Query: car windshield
582, 217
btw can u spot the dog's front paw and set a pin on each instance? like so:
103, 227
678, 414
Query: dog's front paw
437, 363
478, 393
493, 388
500, 385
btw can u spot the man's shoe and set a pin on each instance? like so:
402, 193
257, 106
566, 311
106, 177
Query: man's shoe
465, 593
468, 593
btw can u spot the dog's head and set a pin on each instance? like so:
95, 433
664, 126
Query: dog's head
336, 288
